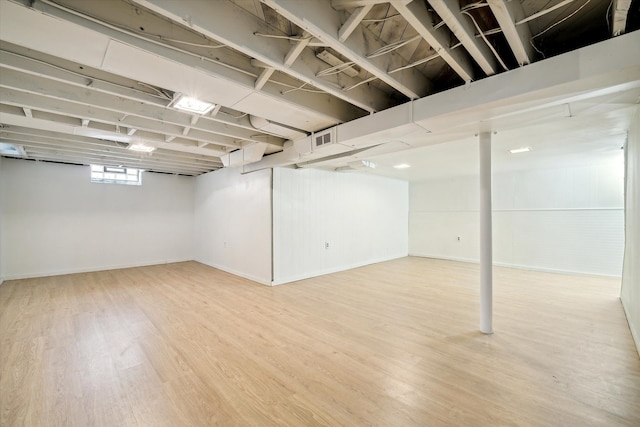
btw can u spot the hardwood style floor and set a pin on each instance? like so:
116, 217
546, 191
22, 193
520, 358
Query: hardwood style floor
392, 344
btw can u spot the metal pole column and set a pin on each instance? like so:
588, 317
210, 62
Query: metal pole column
486, 244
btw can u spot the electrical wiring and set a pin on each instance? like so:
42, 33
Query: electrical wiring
393, 46
415, 64
561, 21
335, 69
381, 19
370, 79
274, 36
553, 25
487, 41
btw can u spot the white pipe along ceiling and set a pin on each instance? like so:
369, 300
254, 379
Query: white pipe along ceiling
325, 84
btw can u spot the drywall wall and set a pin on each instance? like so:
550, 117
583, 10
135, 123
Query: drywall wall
55, 221
630, 293
569, 219
329, 221
233, 222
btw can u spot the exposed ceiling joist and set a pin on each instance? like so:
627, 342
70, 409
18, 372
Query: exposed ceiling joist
464, 30
620, 11
133, 114
26, 65
507, 13
49, 122
19, 133
133, 56
321, 20
353, 21
416, 14
238, 29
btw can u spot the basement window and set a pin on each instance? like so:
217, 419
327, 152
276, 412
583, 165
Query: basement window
116, 175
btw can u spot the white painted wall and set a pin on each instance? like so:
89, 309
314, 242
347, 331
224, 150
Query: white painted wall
362, 217
55, 221
630, 294
233, 222
569, 219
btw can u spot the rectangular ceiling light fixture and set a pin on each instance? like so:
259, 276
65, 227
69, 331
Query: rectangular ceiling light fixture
11, 150
191, 105
520, 150
402, 166
141, 148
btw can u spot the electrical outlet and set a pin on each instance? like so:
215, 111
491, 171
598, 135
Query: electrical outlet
326, 245
458, 238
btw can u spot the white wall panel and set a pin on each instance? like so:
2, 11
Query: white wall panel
556, 219
55, 221
363, 218
233, 222
630, 294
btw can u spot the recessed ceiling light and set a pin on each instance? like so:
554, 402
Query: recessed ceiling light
368, 164
191, 105
402, 166
520, 150
141, 148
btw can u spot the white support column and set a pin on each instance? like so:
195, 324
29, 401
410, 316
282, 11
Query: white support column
486, 247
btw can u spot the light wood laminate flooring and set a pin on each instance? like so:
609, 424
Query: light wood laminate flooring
391, 344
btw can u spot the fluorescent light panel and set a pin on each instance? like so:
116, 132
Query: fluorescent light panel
192, 105
402, 166
142, 148
520, 150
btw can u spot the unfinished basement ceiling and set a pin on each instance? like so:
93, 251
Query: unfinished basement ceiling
82, 81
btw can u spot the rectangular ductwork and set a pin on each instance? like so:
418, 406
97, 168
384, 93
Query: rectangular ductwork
248, 154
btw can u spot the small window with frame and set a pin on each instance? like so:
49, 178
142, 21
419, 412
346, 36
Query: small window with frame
116, 175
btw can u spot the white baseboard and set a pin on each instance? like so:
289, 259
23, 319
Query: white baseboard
282, 281
251, 277
519, 266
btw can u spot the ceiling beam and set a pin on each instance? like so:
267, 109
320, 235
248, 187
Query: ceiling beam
210, 130
324, 22
19, 133
417, 15
240, 30
353, 21
230, 80
464, 30
57, 123
619, 10
130, 160
80, 111
507, 13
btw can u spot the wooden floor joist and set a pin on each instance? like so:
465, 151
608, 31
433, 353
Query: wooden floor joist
391, 344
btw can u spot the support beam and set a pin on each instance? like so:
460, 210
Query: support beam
620, 11
486, 233
507, 13
354, 20
238, 29
28, 113
321, 20
417, 15
464, 30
